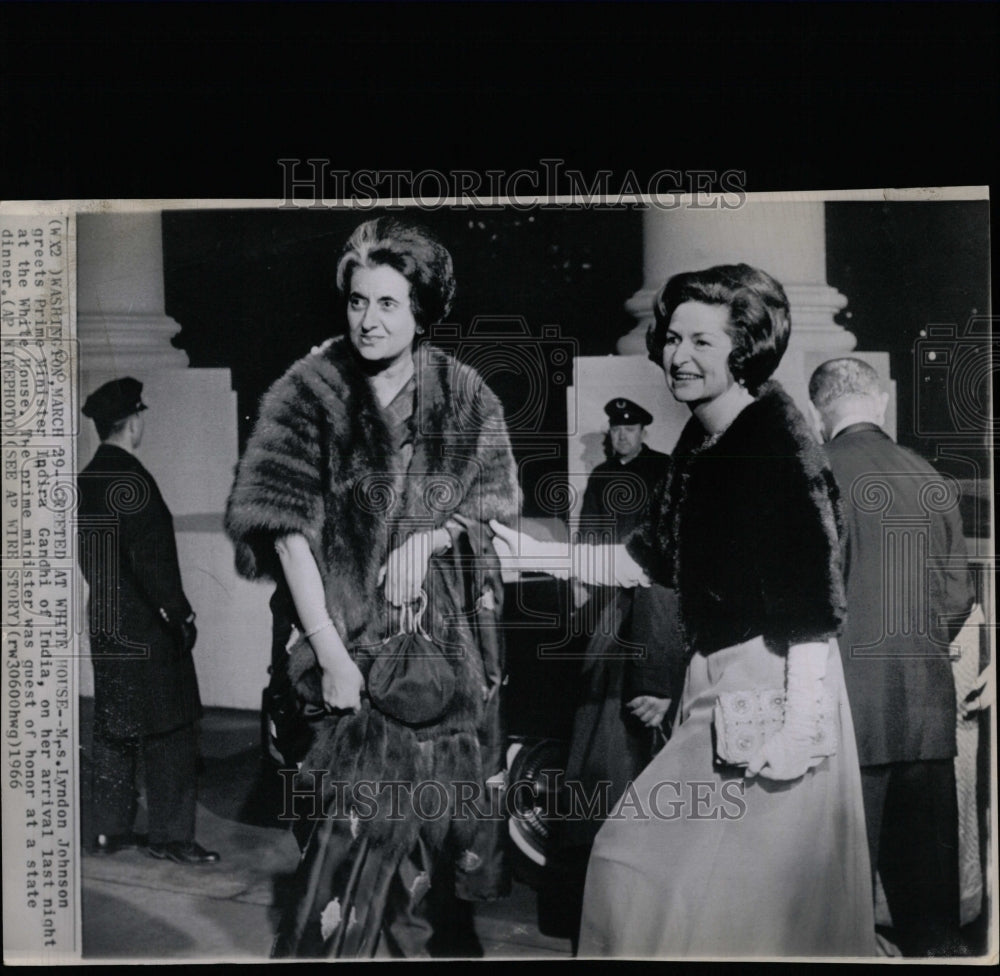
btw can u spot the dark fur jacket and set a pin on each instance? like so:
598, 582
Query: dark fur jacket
746, 528
320, 462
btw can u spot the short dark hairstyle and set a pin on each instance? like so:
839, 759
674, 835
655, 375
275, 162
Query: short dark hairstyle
108, 428
414, 252
759, 316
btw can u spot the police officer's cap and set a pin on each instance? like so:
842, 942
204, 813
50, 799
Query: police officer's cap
115, 400
621, 411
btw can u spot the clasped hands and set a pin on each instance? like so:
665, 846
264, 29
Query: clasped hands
788, 754
405, 568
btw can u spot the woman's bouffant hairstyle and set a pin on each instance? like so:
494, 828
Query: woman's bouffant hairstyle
759, 317
411, 250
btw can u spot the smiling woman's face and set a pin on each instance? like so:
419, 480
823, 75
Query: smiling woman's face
379, 315
696, 354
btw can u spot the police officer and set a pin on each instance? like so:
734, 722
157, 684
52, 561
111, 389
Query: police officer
619, 487
142, 632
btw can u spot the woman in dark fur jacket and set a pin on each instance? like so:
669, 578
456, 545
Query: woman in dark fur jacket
364, 493
745, 835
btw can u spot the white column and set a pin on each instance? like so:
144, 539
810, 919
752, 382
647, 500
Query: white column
189, 445
787, 239
784, 238
122, 326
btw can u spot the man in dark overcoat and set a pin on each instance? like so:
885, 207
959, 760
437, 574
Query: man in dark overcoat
908, 593
616, 498
618, 488
142, 632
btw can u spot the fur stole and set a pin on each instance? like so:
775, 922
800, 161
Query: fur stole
320, 462
747, 529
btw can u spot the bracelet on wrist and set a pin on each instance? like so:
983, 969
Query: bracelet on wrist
315, 630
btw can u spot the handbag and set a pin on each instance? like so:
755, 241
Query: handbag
745, 720
411, 678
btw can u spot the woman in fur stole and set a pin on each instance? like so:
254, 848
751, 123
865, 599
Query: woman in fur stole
700, 857
365, 486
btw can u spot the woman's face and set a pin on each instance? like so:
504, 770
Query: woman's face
696, 355
379, 315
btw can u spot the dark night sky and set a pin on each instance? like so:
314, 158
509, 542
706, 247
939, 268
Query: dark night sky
254, 289
904, 268
913, 268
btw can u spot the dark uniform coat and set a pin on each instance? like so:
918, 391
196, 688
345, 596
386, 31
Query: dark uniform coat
144, 679
633, 648
895, 642
622, 491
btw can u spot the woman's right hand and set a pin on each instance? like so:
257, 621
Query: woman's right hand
342, 686
342, 681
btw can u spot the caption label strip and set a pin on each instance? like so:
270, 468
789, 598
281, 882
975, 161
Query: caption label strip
40, 795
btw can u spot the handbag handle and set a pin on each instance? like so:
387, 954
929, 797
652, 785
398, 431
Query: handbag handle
410, 620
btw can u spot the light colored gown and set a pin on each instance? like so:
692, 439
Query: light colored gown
696, 860
711, 865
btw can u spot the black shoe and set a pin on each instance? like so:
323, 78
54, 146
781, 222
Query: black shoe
183, 852
113, 843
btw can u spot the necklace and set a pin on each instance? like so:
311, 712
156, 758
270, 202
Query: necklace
711, 439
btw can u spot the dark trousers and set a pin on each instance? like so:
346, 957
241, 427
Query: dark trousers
170, 761
912, 815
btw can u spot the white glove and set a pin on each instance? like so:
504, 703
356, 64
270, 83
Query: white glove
595, 565
520, 552
607, 566
787, 755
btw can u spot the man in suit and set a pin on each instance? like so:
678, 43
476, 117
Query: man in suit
142, 632
908, 593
